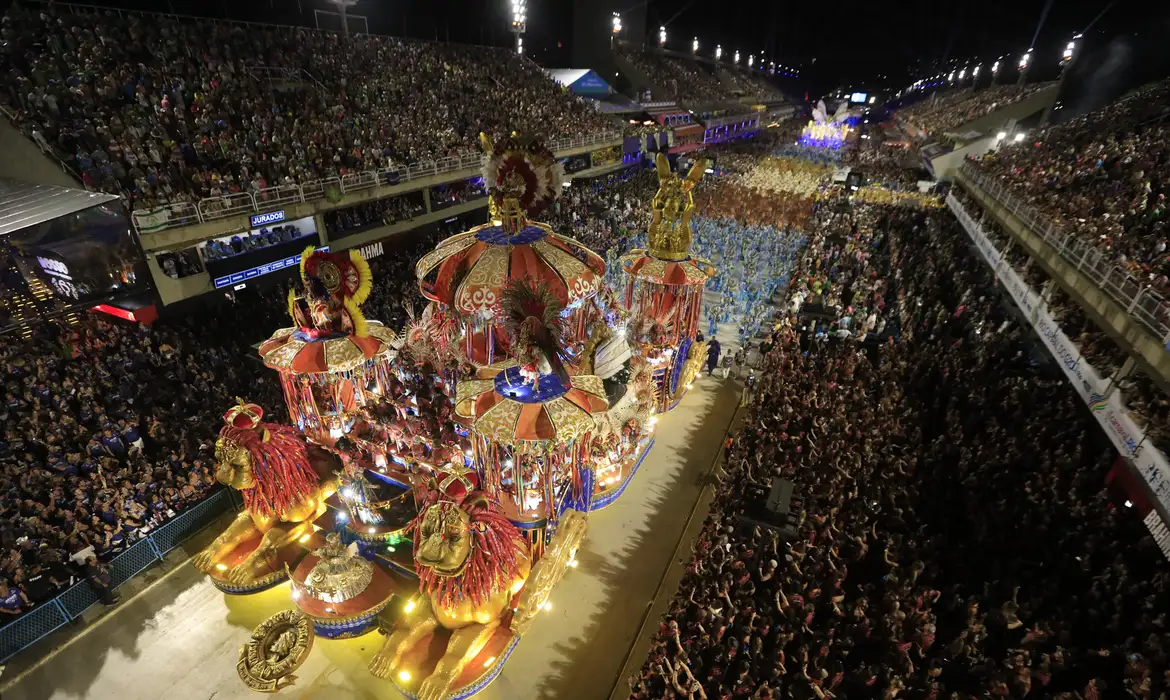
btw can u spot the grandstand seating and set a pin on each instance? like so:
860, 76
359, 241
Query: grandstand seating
177, 109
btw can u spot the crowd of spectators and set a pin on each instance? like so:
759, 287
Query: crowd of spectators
954, 109
443, 196
109, 431
954, 536
1144, 401
1103, 177
748, 84
180, 263
169, 109
218, 249
382, 212
678, 79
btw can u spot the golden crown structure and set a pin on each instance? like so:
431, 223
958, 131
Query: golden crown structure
670, 228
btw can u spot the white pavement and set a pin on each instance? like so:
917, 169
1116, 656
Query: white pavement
179, 639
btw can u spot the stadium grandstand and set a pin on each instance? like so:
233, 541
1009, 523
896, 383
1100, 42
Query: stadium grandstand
908, 441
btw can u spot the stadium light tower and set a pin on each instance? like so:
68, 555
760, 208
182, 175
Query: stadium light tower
342, 6
751, 61
718, 52
695, 45
1070, 51
1067, 59
1025, 62
519, 22
735, 59
661, 37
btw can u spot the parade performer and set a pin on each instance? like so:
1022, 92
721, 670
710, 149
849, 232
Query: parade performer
470, 561
284, 481
532, 317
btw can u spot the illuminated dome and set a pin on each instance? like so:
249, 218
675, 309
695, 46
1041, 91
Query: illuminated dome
468, 271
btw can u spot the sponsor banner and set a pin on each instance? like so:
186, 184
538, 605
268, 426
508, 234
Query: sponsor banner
1125, 435
1159, 531
606, 156
371, 251
254, 272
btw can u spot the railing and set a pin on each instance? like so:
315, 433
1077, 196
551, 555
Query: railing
1141, 302
51, 615
44, 148
215, 208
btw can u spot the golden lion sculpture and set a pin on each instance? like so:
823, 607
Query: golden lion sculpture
284, 482
470, 561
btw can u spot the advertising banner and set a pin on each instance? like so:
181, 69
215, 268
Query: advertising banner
606, 156
1125, 435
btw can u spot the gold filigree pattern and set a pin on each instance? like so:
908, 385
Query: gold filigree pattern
579, 279
590, 383
478, 291
342, 355
467, 392
278, 646
569, 420
549, 571
446, 248
499, 422
283, 356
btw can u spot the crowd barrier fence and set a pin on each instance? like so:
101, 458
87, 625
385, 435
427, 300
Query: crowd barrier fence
178, 214
69, 605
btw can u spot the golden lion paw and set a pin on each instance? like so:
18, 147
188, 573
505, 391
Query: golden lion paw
434, 688
205, 560
251, 569
381, 665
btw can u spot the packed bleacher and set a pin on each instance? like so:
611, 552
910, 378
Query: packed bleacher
109, 432
956, 108
954, 539
381, 212
678, 79
1102, 177
177, 109
747, 84
1146, 404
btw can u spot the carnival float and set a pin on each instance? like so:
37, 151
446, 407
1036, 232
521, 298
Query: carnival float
435, 485
664, 293
825, 131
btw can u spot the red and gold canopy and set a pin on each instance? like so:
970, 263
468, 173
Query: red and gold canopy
510, 410
689, 272
468, 270
299, 351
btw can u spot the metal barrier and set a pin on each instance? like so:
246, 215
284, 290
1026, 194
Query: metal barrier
216, 208
1142, 303
51, 615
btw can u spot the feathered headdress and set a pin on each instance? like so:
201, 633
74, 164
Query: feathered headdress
342, 276
523, 170
532, 317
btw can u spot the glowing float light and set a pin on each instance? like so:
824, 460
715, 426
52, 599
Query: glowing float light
404, 676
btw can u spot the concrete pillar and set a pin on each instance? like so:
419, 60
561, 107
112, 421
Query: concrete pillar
1046, 290
319, 222
1125, 370
427, 198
